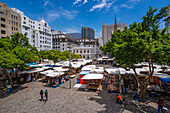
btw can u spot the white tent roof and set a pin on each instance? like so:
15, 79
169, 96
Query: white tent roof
31, 71
55, 74
161, 75
92, 76
97, 71
47, 72
113, 71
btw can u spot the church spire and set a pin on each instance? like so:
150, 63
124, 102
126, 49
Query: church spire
115, 25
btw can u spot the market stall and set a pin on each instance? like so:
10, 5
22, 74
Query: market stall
54, 79
94, 81
81, 75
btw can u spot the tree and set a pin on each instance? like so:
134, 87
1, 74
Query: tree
142, 41
54, 55
15, 52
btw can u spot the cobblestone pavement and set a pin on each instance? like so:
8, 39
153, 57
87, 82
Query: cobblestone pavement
61, 99
65, 100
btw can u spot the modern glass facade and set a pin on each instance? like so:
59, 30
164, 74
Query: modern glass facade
87, 33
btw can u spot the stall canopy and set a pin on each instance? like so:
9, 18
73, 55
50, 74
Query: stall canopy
31, 64
113, 71
55, 74
165, 78
84, 72
92, 76
47, 72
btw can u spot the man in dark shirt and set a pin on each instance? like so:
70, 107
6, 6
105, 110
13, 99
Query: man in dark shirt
41, 94
160, 105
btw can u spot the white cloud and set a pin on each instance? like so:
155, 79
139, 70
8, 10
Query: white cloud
46, 2
99, 6
133, 0
110, 4
60, 13
85, 1
77, 1
126, 6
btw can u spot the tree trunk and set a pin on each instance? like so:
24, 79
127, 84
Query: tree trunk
142, 93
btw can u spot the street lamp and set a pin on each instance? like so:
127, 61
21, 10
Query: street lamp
70, 63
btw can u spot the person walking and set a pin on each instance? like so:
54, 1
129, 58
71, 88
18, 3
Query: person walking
41, 94
160, 105
9, 87
46, 94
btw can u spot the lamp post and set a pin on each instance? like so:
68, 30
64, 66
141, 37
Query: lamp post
70, 63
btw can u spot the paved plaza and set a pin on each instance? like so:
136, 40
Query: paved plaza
64, 100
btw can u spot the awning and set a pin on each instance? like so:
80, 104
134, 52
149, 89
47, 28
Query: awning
92, 76
84, 72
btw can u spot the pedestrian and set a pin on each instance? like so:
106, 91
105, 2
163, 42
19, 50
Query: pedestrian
41, 94
9, 87
46, 94
160, 105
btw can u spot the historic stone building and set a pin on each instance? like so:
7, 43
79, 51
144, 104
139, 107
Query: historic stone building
10, 21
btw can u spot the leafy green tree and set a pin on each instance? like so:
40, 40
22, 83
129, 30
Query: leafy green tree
142, 41
54, 55
15, 52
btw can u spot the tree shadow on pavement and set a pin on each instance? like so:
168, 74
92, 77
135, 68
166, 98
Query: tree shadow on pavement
108, 101
15, 90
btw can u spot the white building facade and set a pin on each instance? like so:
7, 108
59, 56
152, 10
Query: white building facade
39, 33
84, 52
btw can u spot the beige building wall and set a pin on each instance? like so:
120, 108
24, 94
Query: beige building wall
10, 22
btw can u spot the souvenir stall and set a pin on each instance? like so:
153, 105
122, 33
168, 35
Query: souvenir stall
93, 81
162, 83
65, 71
112, 77
29, 75
54, 79
81, 75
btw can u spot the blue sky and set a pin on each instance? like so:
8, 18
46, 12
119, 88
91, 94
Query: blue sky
70, 15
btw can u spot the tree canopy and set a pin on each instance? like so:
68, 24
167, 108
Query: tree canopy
141, 41
15, 52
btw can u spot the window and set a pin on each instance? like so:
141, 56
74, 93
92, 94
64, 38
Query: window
12, 28
12, 22
2, 25
3, 19
39, 27
3, 32
33, 26
26, 28
40, 45
16, 29
24, 18
16, 23
16, 18
24, 22
11, 16
33, 22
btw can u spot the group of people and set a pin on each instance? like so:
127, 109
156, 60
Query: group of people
46, 95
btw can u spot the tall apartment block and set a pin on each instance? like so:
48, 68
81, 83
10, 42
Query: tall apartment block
39, 33
108, 30
10, 21
87, 33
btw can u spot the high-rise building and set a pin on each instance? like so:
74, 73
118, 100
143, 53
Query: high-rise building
167, 20
10, 21
108, 30
39, 33
87, 33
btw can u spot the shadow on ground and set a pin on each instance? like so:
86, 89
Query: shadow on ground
4, 94
110, 105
